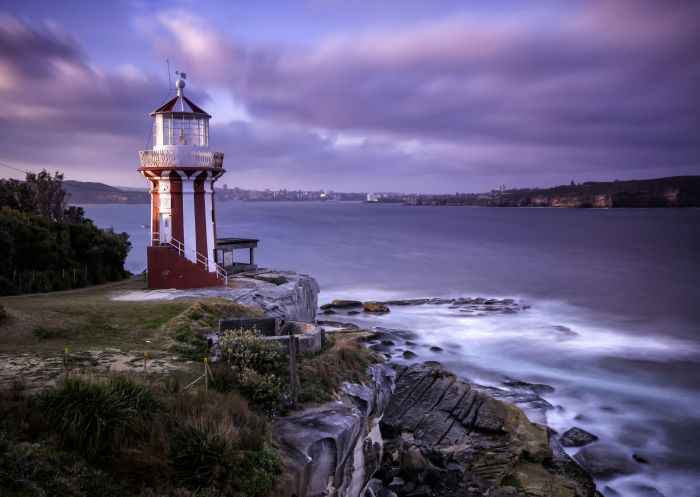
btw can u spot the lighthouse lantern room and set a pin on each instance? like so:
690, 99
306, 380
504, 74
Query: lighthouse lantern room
181, 171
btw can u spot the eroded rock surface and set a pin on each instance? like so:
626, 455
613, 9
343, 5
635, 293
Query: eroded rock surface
335, 448
444, 438
295, 299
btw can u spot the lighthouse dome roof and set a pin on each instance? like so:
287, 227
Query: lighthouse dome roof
180, 104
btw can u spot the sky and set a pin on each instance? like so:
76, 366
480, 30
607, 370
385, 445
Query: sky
403, 96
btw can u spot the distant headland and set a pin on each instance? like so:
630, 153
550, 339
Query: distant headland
675, 191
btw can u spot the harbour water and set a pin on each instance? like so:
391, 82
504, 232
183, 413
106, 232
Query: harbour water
624, 283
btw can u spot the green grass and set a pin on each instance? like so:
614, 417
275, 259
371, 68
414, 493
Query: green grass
84, 318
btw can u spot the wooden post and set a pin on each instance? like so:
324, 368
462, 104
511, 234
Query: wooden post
206, 373
65, 360
293, 365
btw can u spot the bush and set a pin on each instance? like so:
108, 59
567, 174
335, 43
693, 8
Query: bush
257, 472
247, 351
267, 391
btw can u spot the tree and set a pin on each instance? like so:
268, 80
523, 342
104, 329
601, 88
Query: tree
51, 198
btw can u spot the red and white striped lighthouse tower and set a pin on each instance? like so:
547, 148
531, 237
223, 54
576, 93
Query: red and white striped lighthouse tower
181, 171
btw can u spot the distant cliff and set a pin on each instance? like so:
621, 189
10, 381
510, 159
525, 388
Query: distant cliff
83, 192
676, 191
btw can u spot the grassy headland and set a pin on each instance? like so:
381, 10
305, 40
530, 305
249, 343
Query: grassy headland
102, 424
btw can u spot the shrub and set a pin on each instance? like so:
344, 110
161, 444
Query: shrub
267, 391
249, 352
257, 473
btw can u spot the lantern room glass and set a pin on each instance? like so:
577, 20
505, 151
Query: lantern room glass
180, 129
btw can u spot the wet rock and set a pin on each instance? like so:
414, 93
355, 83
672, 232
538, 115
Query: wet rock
386, 341
375, 488
328, 311
564, 331
435, 349
352, 313
380, 347
409, 354
410, 343
444, 434
538, 388
646, 491
606, 461
341, 304
375, 307
610, 492
338, 324
640, 459
576, 437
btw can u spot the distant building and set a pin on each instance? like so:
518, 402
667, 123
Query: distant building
372, 197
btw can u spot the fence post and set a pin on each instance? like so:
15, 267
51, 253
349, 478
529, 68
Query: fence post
293, 365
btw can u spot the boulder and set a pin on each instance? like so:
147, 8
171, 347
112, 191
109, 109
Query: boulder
408, 354
576, 437
341, 304
606, 461
295, 300
375, 307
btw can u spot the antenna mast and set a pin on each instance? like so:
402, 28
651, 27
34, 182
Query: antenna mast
170, 85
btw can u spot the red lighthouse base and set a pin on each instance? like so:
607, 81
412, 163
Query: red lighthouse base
168, 269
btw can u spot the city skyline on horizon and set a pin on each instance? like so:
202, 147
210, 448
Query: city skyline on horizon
361, 97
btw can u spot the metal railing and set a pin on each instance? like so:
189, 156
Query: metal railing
185, 251
181, 158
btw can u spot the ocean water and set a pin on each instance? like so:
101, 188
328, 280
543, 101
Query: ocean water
625, 282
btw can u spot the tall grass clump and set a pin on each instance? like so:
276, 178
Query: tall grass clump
321, 375
218, 443
92, 414
88, 413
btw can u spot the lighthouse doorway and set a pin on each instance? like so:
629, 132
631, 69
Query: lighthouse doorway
165, 228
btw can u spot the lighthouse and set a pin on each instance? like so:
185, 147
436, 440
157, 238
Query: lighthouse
181, 171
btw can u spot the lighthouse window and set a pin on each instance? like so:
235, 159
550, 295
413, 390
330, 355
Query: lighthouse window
180, 130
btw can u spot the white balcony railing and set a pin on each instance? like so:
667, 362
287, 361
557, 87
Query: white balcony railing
181, 158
